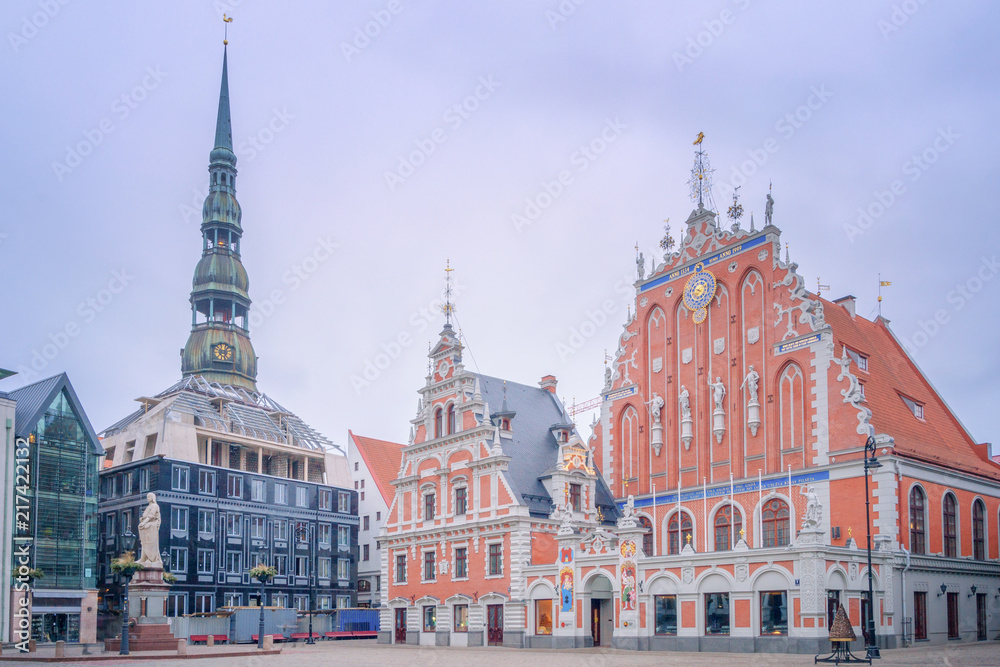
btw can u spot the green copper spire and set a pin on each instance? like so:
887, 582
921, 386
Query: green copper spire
219, 347
224, 125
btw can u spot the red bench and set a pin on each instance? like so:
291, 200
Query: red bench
355, 634
276, 638
304, 635
204, 638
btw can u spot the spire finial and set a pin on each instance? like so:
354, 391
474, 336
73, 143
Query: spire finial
448, 308
786, 254
227, 20
736, 210
701, 176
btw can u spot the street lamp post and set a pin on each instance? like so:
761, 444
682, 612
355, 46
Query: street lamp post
871, 463
263, 580
303, 528
128, 541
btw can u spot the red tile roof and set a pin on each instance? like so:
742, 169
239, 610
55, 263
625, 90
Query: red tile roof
383, 459
939, 437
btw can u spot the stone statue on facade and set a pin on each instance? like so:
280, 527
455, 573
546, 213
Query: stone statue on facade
149, 535
655, 406
640, 265
718, 392
750, 382
685, 401
768, 209
607, 377
814, 511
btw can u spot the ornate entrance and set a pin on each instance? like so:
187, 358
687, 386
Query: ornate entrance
595, 621
494, 625
399, 637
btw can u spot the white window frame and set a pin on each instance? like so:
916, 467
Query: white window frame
343, 569
210, 514
325, 537
179, 559
281, 530
238, 562
258, 527
280, 494
206, 561
301, 497
209, 475
179, 478
344, 502
234, 520
258, 490
343, 538
325, 568
178, 516
325, 499
343, 601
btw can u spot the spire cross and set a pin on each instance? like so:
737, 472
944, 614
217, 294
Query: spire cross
227, 20
448, 308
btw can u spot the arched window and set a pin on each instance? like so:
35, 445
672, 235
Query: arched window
438, 425
726, 531
647, 538
949, 515
918, 544
629, 435
452, 427
792, 408
978, 530
678, 532
774, 517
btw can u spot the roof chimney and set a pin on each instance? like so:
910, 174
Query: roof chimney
848, 302
548, 383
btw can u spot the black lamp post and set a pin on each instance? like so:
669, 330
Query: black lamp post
871, 463
303, 529
260, 631
128, 542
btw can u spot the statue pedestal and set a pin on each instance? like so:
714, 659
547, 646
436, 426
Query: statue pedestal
656, 437
753, 417
686, 431
719, 424
147, 605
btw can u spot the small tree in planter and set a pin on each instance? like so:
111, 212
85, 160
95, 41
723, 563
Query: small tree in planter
170, 577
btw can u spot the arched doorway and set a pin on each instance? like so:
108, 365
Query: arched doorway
600, 596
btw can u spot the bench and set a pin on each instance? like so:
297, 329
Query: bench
275, 638
304, 635
354, 634
204, 638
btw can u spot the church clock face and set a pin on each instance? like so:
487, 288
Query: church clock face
222, 352
698, 293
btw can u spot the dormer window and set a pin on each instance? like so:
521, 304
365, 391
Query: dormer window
861, 389
575, 497
505, 424
915, 407
860, 360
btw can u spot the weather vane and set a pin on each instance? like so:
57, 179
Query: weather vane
448, 308
227, 20
701, 175
667, 242
736, 210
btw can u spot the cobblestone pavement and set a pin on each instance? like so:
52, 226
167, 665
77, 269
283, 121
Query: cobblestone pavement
368, 653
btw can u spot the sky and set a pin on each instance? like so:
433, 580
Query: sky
533, 145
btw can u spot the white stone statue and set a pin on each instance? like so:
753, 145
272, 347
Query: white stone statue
768, 209
718, 392
750, 382
149, 535
640, 265
814, 511
685, 402
628, 511
655, 406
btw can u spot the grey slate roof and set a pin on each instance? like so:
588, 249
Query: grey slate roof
34, 399
533, 447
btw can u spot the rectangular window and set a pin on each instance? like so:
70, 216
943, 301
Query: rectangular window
953, 616
716, 613
343, 601
344, 537
378, 582
301, 603
127, 484
179, 560
234, 525
206, 522
279, 600
378, 516
362, 483
126, 521
179, 518
257, 490
204, 603
367, 523
179, 478
234, 562
364, 552
233, 600
344, 502
461, 563
206, 561
301, 529
302, 496
281, 530
281, 494
362, 495
325, 499
325, 534
543, 617
774, 613
428, 506
258, 527
301, 566
343, 569
324, 602
461, 618
325, 568
401, 569
176, 604
429, 566
206, 482
574, 497
109, 525
235, 488
461, 500
920, 615
666, 614
430, 618
281, 565
496, 559
144, 480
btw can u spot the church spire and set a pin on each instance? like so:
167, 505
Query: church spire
224, 124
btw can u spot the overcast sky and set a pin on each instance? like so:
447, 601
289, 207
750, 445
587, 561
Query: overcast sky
376, 140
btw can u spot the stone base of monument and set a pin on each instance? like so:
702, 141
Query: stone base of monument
147, 597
